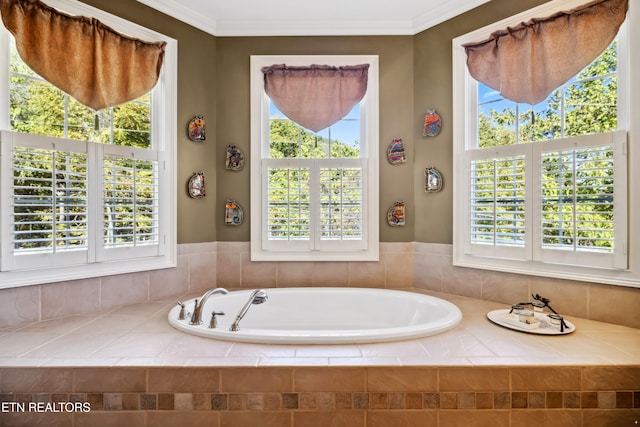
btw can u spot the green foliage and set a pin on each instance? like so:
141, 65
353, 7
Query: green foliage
290, 140
590, 106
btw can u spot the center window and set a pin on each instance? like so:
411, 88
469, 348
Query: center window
314, 158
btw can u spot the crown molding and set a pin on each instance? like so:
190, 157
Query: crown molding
242, 28
183, 13
312, 28
443, 12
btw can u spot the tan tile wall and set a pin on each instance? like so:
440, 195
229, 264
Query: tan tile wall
227, 264
433, 270
196, 270
394, 270
330, 396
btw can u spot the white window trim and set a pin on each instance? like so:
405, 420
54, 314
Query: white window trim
164, 110
465, 123
369, 133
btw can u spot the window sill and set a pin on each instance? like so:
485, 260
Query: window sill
258, 254
607, 276
12, 279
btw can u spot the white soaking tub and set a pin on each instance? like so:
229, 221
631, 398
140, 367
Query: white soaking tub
322, 316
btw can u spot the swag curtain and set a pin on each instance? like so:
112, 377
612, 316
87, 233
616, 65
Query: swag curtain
83, 57
316, 96
529, 61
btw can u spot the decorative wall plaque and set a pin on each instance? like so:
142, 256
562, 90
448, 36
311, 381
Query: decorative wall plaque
233, 214
433, 180
235, 159
195, 129
195, 187
396, 214
396, 153
432, 123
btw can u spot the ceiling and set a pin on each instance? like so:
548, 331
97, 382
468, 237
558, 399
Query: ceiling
225, 18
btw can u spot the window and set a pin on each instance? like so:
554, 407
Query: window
314, 195
542, 189
84, 193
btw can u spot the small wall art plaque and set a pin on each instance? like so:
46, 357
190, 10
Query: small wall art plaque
235, 159
433, 180
432, 123
195, 186
396, 214
233, 214
195, 129
396, 153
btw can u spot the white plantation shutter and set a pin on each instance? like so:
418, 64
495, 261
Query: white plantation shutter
312, 206
129, 202
341, 204
571, 182
498, 206
49, 219
577, 199
583, 208
288, 204
72, 203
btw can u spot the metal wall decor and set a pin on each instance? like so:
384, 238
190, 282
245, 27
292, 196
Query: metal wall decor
432, 123
195, 129
195, 187
433, 180
235, 159
395, 152
396, 214
233, 214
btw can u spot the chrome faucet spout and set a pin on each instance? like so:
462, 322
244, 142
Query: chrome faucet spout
257, 297
196, 316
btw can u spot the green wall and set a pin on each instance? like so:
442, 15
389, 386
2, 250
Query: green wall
213, 81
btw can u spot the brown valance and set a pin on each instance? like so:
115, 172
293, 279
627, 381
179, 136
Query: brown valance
85, 58
316, 96
529, 61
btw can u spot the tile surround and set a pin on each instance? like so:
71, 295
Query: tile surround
227, 264
307, 396
475, 372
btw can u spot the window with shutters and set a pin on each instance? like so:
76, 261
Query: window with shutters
314, 194
84, 193
542, 189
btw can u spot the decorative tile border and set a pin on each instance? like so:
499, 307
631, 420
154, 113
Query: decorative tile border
329, 401
588, 396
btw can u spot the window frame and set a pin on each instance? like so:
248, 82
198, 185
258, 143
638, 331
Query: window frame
369, 129
163, 137
465, 124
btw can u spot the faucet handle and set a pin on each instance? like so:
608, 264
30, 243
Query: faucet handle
181, 315
214, 321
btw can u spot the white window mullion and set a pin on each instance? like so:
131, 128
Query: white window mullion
6, 201
314, 208
95, 155
535, 200
620, 159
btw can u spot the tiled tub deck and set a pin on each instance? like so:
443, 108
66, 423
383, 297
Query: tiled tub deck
128, 367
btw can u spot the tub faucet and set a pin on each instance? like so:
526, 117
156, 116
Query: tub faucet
257, 297
196, 316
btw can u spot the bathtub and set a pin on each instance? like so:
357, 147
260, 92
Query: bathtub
323, 316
